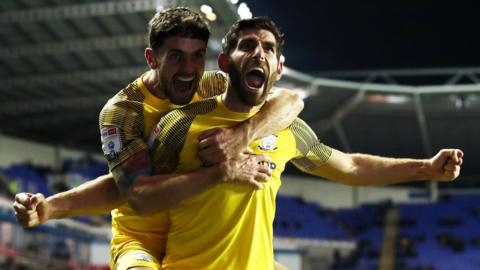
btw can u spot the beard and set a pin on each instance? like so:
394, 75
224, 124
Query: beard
246, 96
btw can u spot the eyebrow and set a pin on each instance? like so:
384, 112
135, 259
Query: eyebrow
269, 43
184, 52
251, 39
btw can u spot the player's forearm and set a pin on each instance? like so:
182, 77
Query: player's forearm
163, 192
95, 197
280, 110
374, 170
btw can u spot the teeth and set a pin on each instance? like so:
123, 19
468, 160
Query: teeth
259, 69
186, 79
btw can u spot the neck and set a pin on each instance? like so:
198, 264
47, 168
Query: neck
233, 102
152, 83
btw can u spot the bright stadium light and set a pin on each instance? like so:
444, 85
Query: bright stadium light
211, 16
206, 9
391, 99
244, 11
160, 5
234, 2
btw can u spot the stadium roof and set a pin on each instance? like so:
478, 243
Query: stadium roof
61, 60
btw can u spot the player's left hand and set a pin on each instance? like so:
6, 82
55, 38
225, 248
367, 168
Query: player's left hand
446, 164
221, 144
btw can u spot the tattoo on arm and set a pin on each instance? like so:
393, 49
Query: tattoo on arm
125, 174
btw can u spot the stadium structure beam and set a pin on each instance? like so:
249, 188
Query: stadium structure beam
36, 106
78, 77
401, 72
448, 89
342, 136
337, 117
472, 76
72, 77
296, 75
377, 87
82, 10
426, 142
422, 124
82, 45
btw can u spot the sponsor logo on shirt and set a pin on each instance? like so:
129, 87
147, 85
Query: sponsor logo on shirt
271, 165
153, 135
106, 132
268, 143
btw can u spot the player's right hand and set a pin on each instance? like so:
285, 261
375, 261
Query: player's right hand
30, 209
249, 169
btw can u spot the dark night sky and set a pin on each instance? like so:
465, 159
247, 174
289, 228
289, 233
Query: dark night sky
379, 34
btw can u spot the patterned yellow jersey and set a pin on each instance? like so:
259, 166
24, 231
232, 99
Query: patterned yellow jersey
125, 123
127, 118
229, 226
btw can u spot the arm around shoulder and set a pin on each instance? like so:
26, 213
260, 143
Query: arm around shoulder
280, 110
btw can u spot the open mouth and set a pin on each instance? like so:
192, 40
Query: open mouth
255, 78
183, 83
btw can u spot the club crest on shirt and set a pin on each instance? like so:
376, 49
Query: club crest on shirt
111, 143
268, 143
140, 256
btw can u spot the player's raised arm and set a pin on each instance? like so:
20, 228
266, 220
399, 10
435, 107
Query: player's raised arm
364, 169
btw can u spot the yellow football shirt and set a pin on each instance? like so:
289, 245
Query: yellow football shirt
229, 226
125, 123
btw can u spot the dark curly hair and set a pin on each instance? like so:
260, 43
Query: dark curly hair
178, 21
231, 38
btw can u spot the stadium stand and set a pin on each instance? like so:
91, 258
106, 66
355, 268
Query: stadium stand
440, 236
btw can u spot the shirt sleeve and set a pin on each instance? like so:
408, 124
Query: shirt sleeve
121, 129
311, 153
212, 83
170, 134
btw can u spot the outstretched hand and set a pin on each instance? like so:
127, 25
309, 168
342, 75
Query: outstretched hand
446, 164
30, 209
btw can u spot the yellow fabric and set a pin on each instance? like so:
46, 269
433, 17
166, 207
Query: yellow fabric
229, 226
137, 256
134, 111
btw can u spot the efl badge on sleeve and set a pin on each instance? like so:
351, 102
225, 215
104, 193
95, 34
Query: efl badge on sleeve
111, 143
153, 135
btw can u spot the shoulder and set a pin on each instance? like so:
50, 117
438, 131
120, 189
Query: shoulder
186, 115
304, 136
300, 128
212, 83
128, 100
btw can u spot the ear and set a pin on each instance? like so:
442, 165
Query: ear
223, 62
150, 57
281, 62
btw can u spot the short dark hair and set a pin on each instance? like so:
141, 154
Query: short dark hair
178, 21
231, 38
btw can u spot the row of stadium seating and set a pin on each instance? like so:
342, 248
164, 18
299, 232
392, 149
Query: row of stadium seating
441, 236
